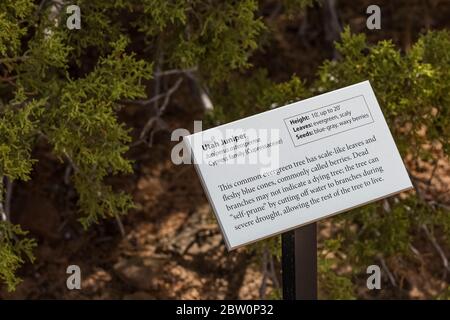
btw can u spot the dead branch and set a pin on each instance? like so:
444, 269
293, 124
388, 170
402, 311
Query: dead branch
273, 274
174, 71
155, 120
415, 251
121, 227
201, 91
432, 204
142, 102
2, 210
440, 205
437, 247
168, 95
2, 213
188, 235
388, 272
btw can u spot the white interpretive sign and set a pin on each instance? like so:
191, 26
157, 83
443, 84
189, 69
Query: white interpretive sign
299, 163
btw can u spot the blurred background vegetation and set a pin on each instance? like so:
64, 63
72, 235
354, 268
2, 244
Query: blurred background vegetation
85, 135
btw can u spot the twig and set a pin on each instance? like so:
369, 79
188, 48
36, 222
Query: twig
174, 71
120, 225
8, 197
67, 174
417, 254
143, 103
388, 272
167, 97
154, 101
2, 213
441, 205
414, 250
437, 247
2, 210
161, 110
273, 273
201, 91
74, 166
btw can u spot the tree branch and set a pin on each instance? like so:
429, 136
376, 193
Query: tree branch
388, 272
3, 216
156, 119
5, 204
273, 273
174, 71
201, 91
168, 94
438, 248
121, 227
142, 103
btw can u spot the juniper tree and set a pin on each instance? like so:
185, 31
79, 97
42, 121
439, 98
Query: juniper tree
65, 87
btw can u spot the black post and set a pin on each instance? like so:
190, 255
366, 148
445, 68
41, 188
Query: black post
299, 263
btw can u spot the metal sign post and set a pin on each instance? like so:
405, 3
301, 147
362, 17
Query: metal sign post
299, 263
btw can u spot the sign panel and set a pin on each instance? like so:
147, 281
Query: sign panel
287, 167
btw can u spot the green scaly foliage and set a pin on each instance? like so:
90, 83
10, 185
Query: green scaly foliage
65, 87
14, 249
